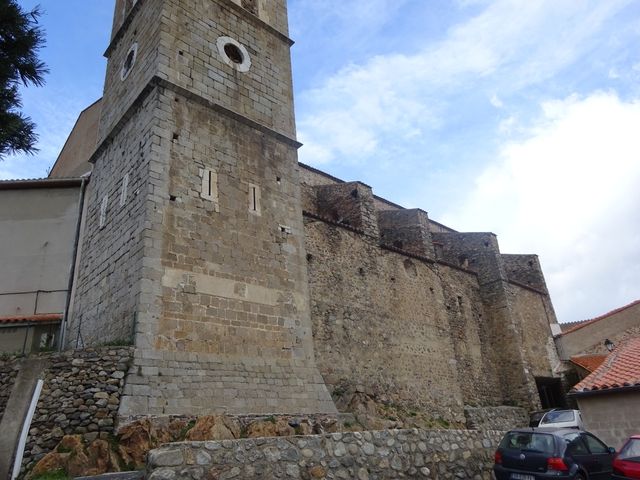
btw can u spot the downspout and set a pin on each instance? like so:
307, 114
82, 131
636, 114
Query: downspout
63, 327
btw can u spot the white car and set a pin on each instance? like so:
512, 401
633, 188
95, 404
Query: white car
562, 419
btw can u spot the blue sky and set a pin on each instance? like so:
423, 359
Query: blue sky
516, 117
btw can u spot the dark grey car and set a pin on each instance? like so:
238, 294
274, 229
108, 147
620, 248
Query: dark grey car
543, 453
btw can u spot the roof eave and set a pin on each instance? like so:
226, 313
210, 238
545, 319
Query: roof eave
602, 391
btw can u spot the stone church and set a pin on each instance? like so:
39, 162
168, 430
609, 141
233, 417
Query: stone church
248, 282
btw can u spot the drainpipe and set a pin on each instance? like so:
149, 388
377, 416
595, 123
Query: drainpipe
63, 326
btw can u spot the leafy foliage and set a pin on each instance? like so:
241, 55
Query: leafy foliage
20, 40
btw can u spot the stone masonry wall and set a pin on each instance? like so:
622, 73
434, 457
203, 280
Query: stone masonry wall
525, 269
189, 59
534, 314
119, 94
496, 418
379, 320
111, 264
9, 367
479, 377
227, 329
378, 455
80, 395
480, 252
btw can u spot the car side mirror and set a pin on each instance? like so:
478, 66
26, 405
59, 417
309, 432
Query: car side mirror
611, 450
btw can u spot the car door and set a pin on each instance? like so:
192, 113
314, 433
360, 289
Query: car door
602, 458
578, 451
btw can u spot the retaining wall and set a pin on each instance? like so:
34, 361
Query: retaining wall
81, 395
379, 455
9, 367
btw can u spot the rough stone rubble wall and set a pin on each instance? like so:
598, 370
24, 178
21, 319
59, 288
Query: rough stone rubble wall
9, 367
534, 313
80, 395
411, 329
496, 418
379, 455
379, 321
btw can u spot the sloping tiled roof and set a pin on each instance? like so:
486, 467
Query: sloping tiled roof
620, 369
584, 323
17, 319
588, 362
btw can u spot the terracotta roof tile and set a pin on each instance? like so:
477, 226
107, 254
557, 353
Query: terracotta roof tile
588, 362
621, 368
584, 323
50, 317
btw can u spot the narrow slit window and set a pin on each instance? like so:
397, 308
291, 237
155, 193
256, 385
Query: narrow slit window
254, 199
209, 190
103, 211
123, 191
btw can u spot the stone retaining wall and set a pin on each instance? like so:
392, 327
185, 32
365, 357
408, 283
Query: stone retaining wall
80, 395
9, 367
379, 455
496, 418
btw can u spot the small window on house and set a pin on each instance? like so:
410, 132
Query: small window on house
254, 199
129, 61
209, 190
123, 189
103, 211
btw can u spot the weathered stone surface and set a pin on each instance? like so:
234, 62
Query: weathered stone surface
216, 427
78, 458
453, 454
166, 457
266, 428
75, 399
496, 418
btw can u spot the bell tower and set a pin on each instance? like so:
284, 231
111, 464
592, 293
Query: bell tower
194, 242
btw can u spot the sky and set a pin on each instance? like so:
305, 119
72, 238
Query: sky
519, 117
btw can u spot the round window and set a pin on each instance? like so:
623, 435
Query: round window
129, 61
234, 54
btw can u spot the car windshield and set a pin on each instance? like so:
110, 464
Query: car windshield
531, 441
631, 451
559, 416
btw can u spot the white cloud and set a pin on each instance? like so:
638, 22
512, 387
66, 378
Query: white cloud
495, 101
570, 192
511, 44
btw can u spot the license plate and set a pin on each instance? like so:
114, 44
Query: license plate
519, 476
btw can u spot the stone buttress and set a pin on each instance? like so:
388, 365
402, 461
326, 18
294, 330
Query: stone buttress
194, 242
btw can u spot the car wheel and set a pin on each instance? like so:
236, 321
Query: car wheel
579, 476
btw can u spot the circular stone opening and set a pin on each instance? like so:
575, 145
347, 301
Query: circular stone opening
234, 53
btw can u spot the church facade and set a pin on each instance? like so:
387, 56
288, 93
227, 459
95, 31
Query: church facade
252, 284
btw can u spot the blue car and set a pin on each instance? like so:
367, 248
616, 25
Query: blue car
560, 453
